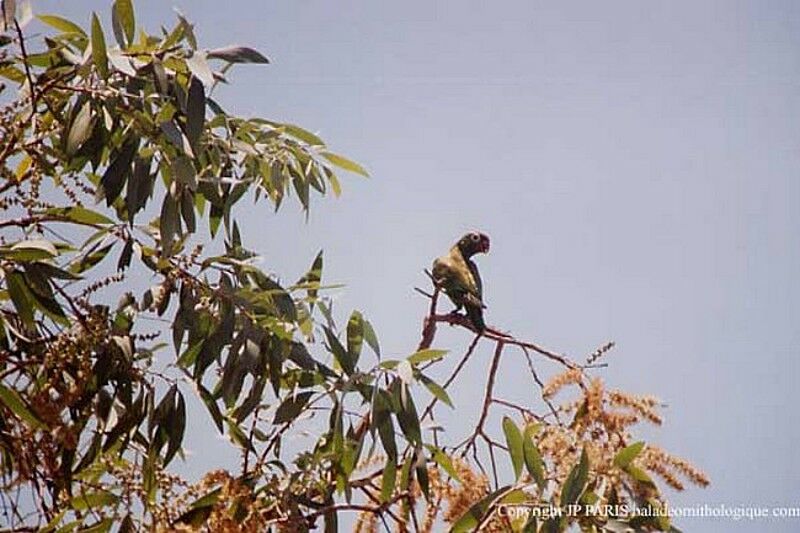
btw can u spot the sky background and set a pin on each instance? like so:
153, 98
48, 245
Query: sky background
635, 164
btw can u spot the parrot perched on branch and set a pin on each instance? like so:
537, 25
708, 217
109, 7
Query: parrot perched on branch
457, 275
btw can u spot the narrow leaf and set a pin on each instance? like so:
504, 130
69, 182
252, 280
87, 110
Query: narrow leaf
118, 172
371, 338
514, 442
474, 517
342, 162
124, 18
195, 111
355, 335
388, 480
62, 24
291, 407
426, 355
436, 390
576, 481
237, 54
16, 405
628, 454
199, 67
533, 459
93, 500
99, 55
81, 215
341, 355
80, 129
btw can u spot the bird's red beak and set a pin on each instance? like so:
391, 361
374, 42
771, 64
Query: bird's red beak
485, 245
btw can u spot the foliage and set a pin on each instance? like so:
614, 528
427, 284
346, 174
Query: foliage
115, 158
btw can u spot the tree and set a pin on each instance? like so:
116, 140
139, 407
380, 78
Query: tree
115, 161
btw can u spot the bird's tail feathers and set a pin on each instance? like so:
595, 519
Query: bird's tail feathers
475, 315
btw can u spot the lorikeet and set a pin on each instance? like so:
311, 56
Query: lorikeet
457, 275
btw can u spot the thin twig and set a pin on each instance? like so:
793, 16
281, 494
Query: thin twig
539, 382
487, 402
453, 376
25, 63
495, 335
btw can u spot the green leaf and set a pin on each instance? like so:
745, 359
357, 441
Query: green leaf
200, 510
99, 55
189, 356
291, 407
407, 415
476, 515
211, 406
176, 429
237, 54
21, 296
93, 500
342, 162
125, 256
576, 481
80, 130
118, 172
209, 500
639, 475
371, 338
311, 279
169, 223
30, 250
336, 187
51, 308
16, 405
81, 215
382, 420
388, 480
12, 73
238, 436
355, 335
628, 454
443, 460
533, 459
103, 526
436, 390
405, 472
304, 135
514, 442
426, 355
195, 111
422, 479
62, 24
184, 172
187, 211
91, 259
124, 23
51, 271
341, 355
199, 66
176, 137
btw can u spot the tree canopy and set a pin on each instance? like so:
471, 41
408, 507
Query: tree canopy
117, 165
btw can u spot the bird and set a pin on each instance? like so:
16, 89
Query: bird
457, 275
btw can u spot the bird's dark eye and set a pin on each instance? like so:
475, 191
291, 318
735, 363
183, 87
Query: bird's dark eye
475, 237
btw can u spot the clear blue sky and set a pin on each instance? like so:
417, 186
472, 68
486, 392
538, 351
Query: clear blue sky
635, 163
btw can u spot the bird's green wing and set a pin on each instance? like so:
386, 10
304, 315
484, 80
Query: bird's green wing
476, 276
454, 275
